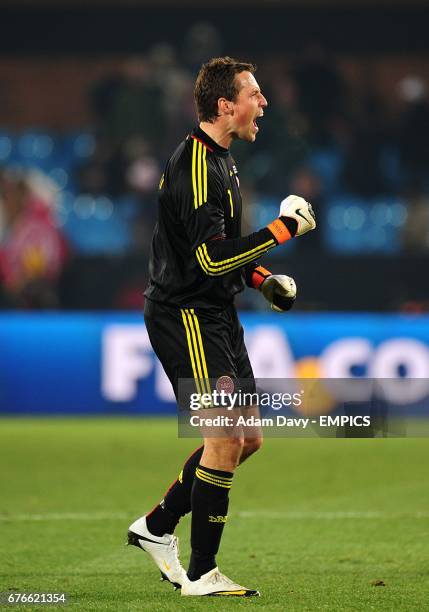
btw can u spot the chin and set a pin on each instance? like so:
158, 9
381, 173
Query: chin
251, 137
247, 136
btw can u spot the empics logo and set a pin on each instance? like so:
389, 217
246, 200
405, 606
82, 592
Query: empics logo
342, 420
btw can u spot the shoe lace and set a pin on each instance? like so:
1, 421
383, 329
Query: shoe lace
218, 577
173, 548
174, 545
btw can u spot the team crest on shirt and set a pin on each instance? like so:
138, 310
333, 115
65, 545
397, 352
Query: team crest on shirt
234, 172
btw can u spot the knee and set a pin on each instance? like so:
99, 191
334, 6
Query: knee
251, 445
225, 452
233, 448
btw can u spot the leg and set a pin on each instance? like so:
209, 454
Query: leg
222, 453
200, 347
165, 327
252, 435
215, 456
250, 446
209, 501
177, 501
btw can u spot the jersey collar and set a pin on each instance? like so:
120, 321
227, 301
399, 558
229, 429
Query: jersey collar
200, 135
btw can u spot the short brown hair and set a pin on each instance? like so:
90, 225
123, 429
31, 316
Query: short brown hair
216, 79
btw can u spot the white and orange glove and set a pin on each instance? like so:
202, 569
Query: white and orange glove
295, 207
280, 291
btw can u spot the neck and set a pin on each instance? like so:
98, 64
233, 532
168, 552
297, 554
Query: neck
217, 132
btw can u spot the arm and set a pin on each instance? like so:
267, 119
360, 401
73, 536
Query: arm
218, 256
200, 209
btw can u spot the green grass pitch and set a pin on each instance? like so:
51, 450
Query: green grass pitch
313, 522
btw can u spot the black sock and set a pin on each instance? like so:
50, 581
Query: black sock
209, 500
177, 501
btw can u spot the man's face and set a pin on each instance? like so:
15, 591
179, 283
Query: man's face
248, 106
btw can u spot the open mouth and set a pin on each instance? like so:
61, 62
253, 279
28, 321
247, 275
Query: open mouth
255, 125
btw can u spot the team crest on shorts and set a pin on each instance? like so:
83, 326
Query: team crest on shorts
225, 383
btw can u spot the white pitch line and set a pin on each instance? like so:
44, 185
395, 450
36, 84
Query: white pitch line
330, 515
65, 516
245, 514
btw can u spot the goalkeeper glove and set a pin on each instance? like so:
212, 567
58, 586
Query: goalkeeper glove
297, 215
280, 291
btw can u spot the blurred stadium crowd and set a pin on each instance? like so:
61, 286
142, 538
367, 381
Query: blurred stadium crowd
82, 204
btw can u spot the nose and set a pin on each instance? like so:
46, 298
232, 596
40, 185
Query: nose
263, 102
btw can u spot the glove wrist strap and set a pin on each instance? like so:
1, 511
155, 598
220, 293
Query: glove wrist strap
280, 229
259, 275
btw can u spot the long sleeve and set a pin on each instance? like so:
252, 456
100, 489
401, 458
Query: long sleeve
198, 196
220, 256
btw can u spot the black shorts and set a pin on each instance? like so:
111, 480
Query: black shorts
199, 345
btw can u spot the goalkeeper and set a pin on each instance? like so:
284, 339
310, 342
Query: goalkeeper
199, 261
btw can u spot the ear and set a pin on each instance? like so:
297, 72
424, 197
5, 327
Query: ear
226, 107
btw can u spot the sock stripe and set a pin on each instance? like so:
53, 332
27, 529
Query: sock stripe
214, 480
217, 476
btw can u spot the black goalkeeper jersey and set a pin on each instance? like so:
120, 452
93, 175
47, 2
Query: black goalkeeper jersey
198, 257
